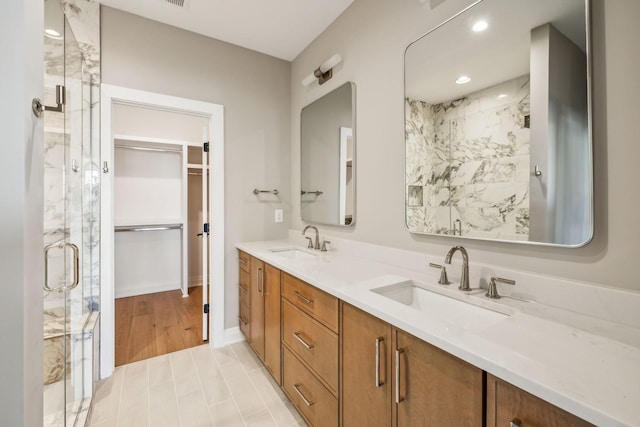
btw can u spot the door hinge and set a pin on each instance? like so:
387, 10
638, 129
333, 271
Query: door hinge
206, 227
205, 147
206, 309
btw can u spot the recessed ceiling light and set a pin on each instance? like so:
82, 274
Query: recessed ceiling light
502, 96
480, 26
53, 34
462, 80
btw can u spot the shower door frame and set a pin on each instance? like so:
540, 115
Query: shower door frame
110, 96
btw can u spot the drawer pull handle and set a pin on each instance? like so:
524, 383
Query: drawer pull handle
378, 341
302, 396
303, 342
242, 261
302, 298
398, 397
516, 422
243, 287
244, 322
261, 282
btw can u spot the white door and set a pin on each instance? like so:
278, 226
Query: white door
205, 242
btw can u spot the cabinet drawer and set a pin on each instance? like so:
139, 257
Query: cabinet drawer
313, 343
244, 321
322, 306
506, 402
316, 404
244, 285
243, 261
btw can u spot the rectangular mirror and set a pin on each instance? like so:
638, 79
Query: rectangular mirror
497, 124
327, 158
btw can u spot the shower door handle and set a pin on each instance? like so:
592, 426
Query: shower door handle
76, 267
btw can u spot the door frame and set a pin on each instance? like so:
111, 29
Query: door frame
110, 96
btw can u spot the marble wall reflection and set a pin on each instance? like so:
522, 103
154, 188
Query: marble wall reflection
468, 164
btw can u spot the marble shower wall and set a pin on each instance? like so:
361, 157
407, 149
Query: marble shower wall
467, 169
72, 204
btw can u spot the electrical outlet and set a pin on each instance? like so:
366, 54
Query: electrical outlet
279, 215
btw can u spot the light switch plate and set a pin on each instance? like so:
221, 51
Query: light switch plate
279, 215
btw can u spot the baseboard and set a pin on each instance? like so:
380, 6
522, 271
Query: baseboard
232, 336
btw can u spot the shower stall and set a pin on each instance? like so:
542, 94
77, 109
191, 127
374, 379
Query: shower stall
71, 223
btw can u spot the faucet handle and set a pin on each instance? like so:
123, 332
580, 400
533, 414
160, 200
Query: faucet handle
310, 245
444, 280
324, 245
492, 292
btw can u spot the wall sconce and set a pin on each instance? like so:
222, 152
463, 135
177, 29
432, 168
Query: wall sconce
324, 72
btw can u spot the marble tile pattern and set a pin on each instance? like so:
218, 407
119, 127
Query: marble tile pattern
471, 156
200, 386
84, 19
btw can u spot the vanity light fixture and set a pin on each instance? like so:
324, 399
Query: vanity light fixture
463, 80
324, 72
480, 26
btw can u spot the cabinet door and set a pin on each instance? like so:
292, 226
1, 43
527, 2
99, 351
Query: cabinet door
507, 404
272, 348
366, 369
257, 307
432, 387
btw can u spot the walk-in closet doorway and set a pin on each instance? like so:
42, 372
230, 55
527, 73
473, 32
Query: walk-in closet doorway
162, 207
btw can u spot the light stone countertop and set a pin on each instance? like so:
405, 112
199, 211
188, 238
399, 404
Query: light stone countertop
587, 366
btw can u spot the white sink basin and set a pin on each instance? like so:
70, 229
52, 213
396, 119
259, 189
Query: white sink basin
293, 253
462, 314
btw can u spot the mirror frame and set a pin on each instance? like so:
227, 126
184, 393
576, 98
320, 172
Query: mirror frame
589, 129
353, 155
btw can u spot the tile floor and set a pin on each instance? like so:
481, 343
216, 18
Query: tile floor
199, 386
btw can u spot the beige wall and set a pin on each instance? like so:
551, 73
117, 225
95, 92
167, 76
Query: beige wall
254, 89
371, 37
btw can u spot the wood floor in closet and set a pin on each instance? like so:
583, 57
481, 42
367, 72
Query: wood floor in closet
155, 324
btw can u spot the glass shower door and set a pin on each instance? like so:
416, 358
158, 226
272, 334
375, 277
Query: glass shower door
71, 185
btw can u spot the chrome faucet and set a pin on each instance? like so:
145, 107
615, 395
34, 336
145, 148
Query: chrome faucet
464, 278
316, 245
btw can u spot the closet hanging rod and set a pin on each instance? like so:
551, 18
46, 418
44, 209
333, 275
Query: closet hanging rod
194, 173
133, 147
256, 191
153, 227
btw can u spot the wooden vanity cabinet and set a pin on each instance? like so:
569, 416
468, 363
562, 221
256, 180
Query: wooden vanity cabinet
259, 288
433, 388
310, 351
257, 307
510, 405
365, 393
272, 324
244, 291
403, 381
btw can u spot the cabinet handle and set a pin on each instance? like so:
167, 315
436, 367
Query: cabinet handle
302, 298
244, 322
398, 353
260, 282
307, 402
303, 342
243, 287
516, 422
378, 341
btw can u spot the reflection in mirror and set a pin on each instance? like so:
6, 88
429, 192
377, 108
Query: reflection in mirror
327, 161
497, 130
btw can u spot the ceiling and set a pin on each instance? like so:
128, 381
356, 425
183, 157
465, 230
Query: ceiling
280, 28
496, 55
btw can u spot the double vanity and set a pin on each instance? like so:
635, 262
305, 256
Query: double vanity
364, 335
